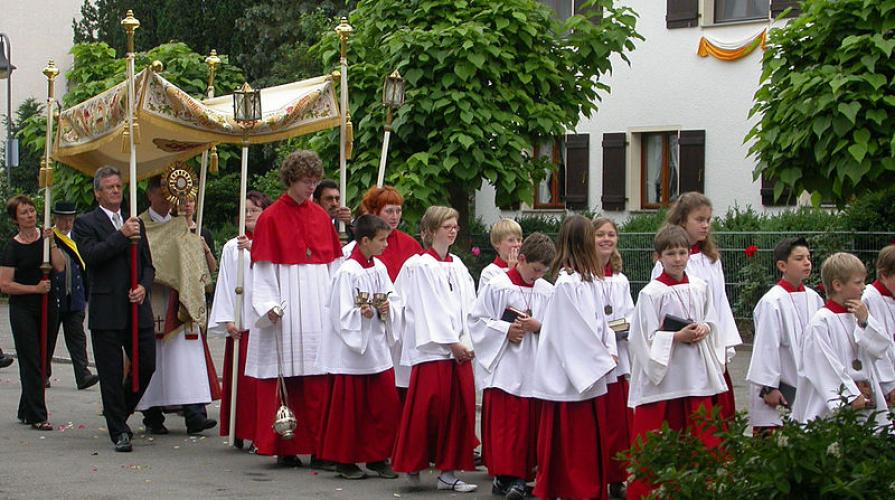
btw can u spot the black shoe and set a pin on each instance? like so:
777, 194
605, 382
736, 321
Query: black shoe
238, 444
382, 469
89, 381
289, 461
318, 464
350, 471
6, 360
208, 423
47, 384
123, 443
157, 430
617, 490
500, 487
516, 491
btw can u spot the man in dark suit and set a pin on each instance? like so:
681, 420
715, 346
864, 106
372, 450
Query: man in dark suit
103, 238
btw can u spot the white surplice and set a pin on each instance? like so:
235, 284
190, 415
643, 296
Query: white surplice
181, 375
829, 347
701, 266
883, 309
500, 363
223, 309
617, 293
438, 296
489, 272
781, 318
576, 346
354, 345
302, 290
662, 369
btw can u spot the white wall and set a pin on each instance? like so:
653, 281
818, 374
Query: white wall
668, 86
38, 30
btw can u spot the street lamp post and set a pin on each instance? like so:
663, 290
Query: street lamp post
392, 99
6, 69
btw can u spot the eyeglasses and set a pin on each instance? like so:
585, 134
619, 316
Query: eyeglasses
448, 227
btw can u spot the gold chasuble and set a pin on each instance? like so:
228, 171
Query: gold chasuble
179, 260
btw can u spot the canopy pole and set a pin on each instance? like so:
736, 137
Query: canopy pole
46, 182
344, 30
130, 25
212, 61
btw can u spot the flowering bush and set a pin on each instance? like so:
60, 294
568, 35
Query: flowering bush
750, 251
842, 456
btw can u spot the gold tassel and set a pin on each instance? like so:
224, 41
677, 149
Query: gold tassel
136, 131
48, 177
125, 142
42, 174
349, 138
213, 163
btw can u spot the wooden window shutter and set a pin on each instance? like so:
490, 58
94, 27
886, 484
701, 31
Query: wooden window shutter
778, 6
692, 160
767, 194
577, 167
614, 169
682, 14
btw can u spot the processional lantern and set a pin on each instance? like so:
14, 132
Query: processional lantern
247, 105
393, 91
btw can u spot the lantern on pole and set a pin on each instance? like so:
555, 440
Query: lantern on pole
246, 112
392, 99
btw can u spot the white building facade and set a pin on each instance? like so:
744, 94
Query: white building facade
673, 122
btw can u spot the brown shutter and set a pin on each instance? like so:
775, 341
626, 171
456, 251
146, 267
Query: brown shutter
767, 194
692, 160
577, 166
778, 6
682, 14
614, 168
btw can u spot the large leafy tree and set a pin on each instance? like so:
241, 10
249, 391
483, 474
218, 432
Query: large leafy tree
485, 81
826, 101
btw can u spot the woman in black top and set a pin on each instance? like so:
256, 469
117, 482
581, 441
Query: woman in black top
21, 279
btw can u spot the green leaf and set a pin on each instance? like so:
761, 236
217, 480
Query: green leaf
875, 80
464, 139
849, 110
413, 76
820, 125
862, 136
478, 60
464, 70
858, 151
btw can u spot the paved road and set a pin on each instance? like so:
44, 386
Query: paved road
77, 461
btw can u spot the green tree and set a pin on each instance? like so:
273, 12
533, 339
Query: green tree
201, 24
485, 81
826, 106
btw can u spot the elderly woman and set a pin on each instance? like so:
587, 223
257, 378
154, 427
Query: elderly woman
21, 279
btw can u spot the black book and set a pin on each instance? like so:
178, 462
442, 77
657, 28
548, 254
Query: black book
672, 323
511, 314
788, 391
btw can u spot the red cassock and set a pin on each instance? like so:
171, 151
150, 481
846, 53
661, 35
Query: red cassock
617, 431
724, 401
680, 414
245, 402
570, 451
510, 427
401, 246
308, 397
361, 420
438, 422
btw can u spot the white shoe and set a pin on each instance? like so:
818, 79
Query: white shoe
456, 485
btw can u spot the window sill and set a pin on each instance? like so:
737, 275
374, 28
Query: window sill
544, 211
710, 25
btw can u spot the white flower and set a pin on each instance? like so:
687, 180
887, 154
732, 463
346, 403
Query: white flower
834, 451
782, 440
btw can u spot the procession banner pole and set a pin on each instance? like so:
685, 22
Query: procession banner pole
212, 61
130, 25
344, 30
46, 182
380, 179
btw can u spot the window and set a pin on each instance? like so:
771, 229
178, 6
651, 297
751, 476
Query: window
659, 167
740, 10
548, 193
563, 9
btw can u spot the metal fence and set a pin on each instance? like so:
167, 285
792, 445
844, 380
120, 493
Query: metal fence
637, 253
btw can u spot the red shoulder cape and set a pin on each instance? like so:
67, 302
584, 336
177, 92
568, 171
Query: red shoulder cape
291, 233
401, 246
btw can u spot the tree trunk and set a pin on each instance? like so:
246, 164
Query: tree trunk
461, 199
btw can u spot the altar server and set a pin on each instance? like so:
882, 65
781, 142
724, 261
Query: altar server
506, 238
677, 352
693, 212
438, 422
576, 356
781, 318
504, 326
359, 426
879, 301
841, 348
619, 308
293, 252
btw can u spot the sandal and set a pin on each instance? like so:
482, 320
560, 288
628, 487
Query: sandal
42, 426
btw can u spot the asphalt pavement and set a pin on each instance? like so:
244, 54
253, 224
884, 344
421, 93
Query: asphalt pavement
76, 459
